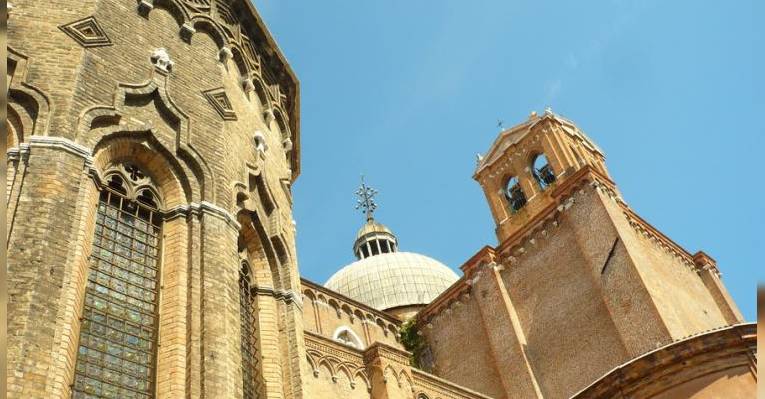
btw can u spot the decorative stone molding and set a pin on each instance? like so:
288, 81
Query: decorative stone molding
336, 358
161, 60
221, 103
286, 296
144, 6
187, 30
87, 32
225, 54
260, 143
287, 144
203, 208
247, 84
645, 230
268, 116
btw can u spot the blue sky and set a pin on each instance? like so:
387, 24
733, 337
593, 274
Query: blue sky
407, 92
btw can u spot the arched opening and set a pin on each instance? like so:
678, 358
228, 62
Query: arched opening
514, 194
542, 171
118, 335
248, 332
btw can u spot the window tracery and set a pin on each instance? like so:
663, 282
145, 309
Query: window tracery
248, 333
117, 347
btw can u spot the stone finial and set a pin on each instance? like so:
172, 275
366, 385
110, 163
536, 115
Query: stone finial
144, 6
533, 115
187, 30
247, 84
260, 142
478, 158
161, 60
287, 144
268, 116
548, 110
225, 54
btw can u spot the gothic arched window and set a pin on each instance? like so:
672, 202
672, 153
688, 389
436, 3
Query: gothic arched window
542, 171
514, 194
247, 330
118, 336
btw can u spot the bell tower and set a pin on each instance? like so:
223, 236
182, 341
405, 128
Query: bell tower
528, 165
577, 274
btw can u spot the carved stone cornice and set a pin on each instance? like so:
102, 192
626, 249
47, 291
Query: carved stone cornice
203, 208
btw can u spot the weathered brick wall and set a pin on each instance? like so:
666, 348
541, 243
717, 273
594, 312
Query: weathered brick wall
84, 100
459, 347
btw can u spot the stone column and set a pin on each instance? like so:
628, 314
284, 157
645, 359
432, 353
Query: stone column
220, 319
389, 372
48, 251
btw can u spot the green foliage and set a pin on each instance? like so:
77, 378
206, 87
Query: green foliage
412, 341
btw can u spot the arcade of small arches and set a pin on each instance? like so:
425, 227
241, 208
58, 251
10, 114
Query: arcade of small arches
351, 314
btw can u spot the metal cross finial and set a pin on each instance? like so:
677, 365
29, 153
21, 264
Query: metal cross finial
366, 200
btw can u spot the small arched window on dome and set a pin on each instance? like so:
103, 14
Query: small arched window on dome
514, 194
542, 171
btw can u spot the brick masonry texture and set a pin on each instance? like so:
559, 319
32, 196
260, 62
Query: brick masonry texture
579, 293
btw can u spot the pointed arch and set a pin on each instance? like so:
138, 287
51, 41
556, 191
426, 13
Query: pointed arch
32, 102
204, 24
361, 374
175, 8
97, 122
403, 377
327, 365
142, 148
261, 92
390, 375
342, 369
239, 60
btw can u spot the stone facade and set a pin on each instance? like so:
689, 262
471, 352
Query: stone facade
187, 112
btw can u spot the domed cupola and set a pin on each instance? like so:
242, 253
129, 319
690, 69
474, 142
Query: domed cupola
374, 239
384, 278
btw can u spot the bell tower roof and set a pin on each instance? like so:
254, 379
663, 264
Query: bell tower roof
525, 169
514, 135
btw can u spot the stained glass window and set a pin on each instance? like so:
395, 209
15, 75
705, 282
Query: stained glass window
116, 355
249, 348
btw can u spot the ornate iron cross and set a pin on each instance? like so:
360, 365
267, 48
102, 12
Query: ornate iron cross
366, 200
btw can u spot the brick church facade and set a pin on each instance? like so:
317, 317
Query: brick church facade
152, 145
